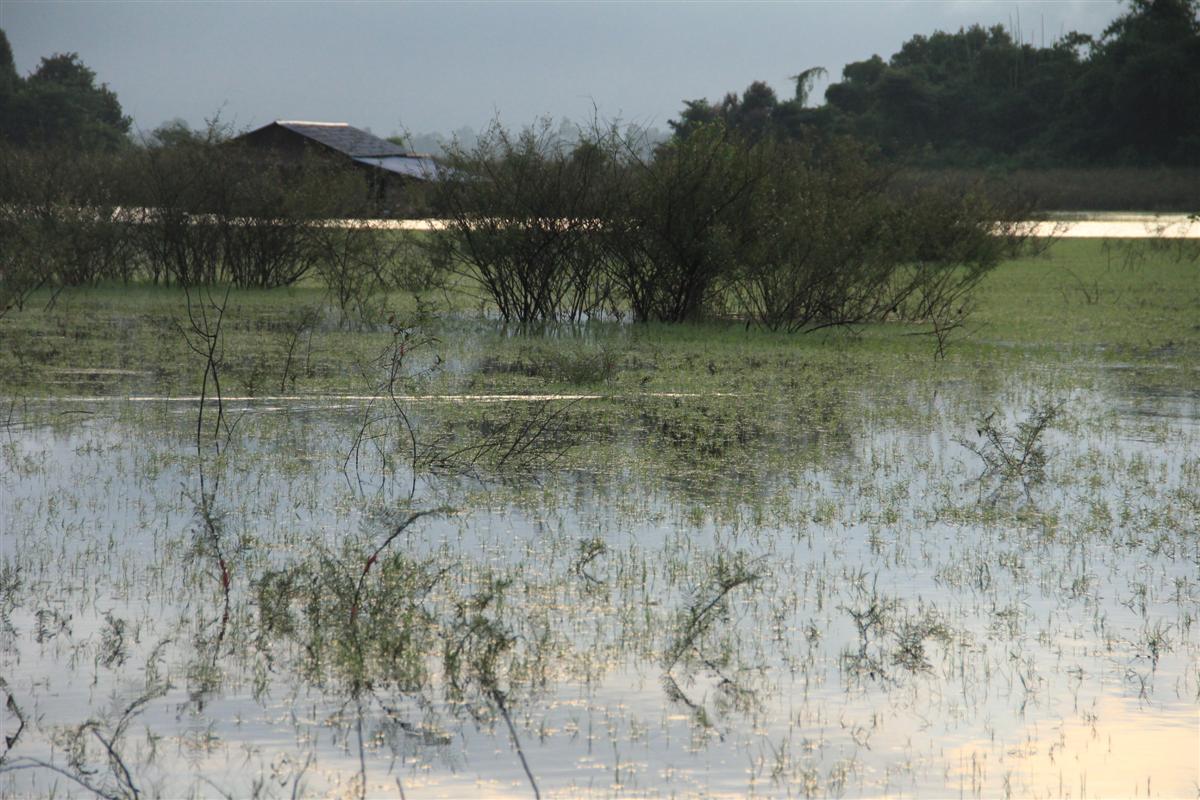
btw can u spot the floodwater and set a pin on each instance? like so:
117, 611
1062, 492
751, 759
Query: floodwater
1090, 225
1118, 225
849, 611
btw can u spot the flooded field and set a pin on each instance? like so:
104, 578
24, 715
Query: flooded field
620, 562
1092, 225
1121, 225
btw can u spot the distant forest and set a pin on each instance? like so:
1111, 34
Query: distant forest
979, 97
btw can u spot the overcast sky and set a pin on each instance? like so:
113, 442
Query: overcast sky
424, 67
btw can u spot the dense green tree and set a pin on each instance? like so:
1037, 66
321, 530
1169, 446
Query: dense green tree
695, 115
10, 85
757, 113
59, 104
9, 79
979, 97
1140, 97
972, 96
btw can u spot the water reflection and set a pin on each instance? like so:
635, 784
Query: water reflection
708, 596
1114, 748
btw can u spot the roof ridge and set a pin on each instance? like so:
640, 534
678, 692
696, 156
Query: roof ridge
309, 122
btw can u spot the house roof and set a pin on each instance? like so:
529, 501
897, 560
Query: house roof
410, 166
364, 148
344, 138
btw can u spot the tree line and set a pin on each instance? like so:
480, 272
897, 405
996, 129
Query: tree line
982, 97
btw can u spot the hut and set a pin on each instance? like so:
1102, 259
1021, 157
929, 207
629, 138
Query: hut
392, 171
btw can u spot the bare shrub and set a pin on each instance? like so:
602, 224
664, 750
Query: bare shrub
821, 243
948, 244
215, 211
1013, 456
21, 270
274, 212
791, 236
824, 240
59, 221
264, 242
360, 264
182, 182
672, 235
521, 217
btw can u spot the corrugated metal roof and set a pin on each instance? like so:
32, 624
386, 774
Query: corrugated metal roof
344, 138
410, 166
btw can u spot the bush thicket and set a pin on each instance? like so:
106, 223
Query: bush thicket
189, 208
60, 221
785, 234
522, 214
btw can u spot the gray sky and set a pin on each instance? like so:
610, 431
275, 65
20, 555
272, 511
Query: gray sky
423, 67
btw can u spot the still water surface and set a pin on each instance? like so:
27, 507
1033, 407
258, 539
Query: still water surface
900, 629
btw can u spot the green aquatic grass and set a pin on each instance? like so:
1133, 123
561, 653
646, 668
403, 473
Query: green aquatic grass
1123, 297
1098, 301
